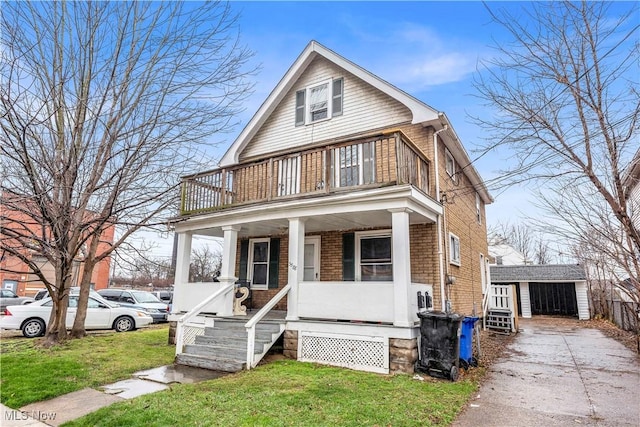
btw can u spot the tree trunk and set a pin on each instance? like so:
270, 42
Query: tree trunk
89, 263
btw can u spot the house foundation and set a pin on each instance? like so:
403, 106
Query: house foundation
291, 344
403, 354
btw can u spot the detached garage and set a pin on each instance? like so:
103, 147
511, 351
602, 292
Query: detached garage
559, 290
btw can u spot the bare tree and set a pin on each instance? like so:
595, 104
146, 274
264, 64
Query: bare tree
104, 106
565, 93
525, 238
205, 265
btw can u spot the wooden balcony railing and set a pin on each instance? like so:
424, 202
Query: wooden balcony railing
373, 162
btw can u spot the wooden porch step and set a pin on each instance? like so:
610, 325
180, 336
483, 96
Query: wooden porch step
224, 346
214, 364
226, 340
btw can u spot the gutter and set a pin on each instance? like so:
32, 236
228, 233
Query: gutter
439, 221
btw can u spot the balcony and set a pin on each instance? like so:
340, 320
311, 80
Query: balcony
389, 159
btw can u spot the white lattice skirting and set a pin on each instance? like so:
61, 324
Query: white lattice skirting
191, 332
363, 353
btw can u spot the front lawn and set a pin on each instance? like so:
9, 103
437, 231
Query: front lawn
289, 393
29, 373
282, 393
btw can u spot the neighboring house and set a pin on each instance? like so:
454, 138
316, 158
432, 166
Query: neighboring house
631, 181
16, 275
504, 254
341, 200
546, 289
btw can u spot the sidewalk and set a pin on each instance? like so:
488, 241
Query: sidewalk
74, 405
557, 373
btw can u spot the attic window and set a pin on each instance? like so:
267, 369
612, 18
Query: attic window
319, 102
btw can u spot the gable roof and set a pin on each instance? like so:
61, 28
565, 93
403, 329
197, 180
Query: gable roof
421, 112
532, 273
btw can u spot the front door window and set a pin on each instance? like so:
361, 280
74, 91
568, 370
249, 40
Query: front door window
311, 259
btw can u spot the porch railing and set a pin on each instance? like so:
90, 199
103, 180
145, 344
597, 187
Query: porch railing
250, 326
181, 323
371, 162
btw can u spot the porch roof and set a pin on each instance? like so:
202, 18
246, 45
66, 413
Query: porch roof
340, 211
533, 273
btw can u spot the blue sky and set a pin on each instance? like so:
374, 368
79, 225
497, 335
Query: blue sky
429, 49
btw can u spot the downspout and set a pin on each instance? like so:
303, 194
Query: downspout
439, 220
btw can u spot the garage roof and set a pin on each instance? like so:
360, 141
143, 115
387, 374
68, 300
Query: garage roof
532, 273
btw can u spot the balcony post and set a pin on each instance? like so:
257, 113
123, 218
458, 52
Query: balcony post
295, 270
401, 258
228, 267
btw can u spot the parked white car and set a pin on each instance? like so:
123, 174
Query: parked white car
33, 318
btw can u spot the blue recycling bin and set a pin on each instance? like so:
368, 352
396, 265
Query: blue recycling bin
466, 342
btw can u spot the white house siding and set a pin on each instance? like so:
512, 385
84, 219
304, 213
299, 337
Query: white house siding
364, 108
525, 300
583, 301
634, 204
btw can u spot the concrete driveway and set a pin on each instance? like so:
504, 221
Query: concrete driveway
557, 373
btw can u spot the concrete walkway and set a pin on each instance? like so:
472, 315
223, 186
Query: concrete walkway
557, 373
74, 405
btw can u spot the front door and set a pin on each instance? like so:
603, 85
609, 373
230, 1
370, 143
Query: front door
311, 259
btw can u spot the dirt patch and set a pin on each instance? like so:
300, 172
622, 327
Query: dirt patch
627, 338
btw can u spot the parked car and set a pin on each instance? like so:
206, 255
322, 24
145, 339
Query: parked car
127, 297
164, 296
33, 318
8, 298
44, 293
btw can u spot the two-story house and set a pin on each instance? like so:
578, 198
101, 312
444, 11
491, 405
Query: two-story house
341, 200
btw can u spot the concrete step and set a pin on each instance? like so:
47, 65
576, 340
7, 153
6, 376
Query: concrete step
214, 364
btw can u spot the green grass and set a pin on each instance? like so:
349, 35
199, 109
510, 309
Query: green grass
289, 393
29, 373
284, 393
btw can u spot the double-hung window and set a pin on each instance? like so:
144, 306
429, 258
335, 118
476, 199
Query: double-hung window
373, 256
259, 262
454, 249
319, 102
450, 164
478, 209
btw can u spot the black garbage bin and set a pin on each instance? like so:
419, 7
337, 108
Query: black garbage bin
439, 344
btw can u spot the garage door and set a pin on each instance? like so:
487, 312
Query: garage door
553, 298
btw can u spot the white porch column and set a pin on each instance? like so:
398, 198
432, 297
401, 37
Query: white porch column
183, 258
295, 270
228, 268
401, 258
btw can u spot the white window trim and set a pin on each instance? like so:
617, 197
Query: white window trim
260, 287
452, 260
364, 234
329, 101
449, 156
478, 208
330, 97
